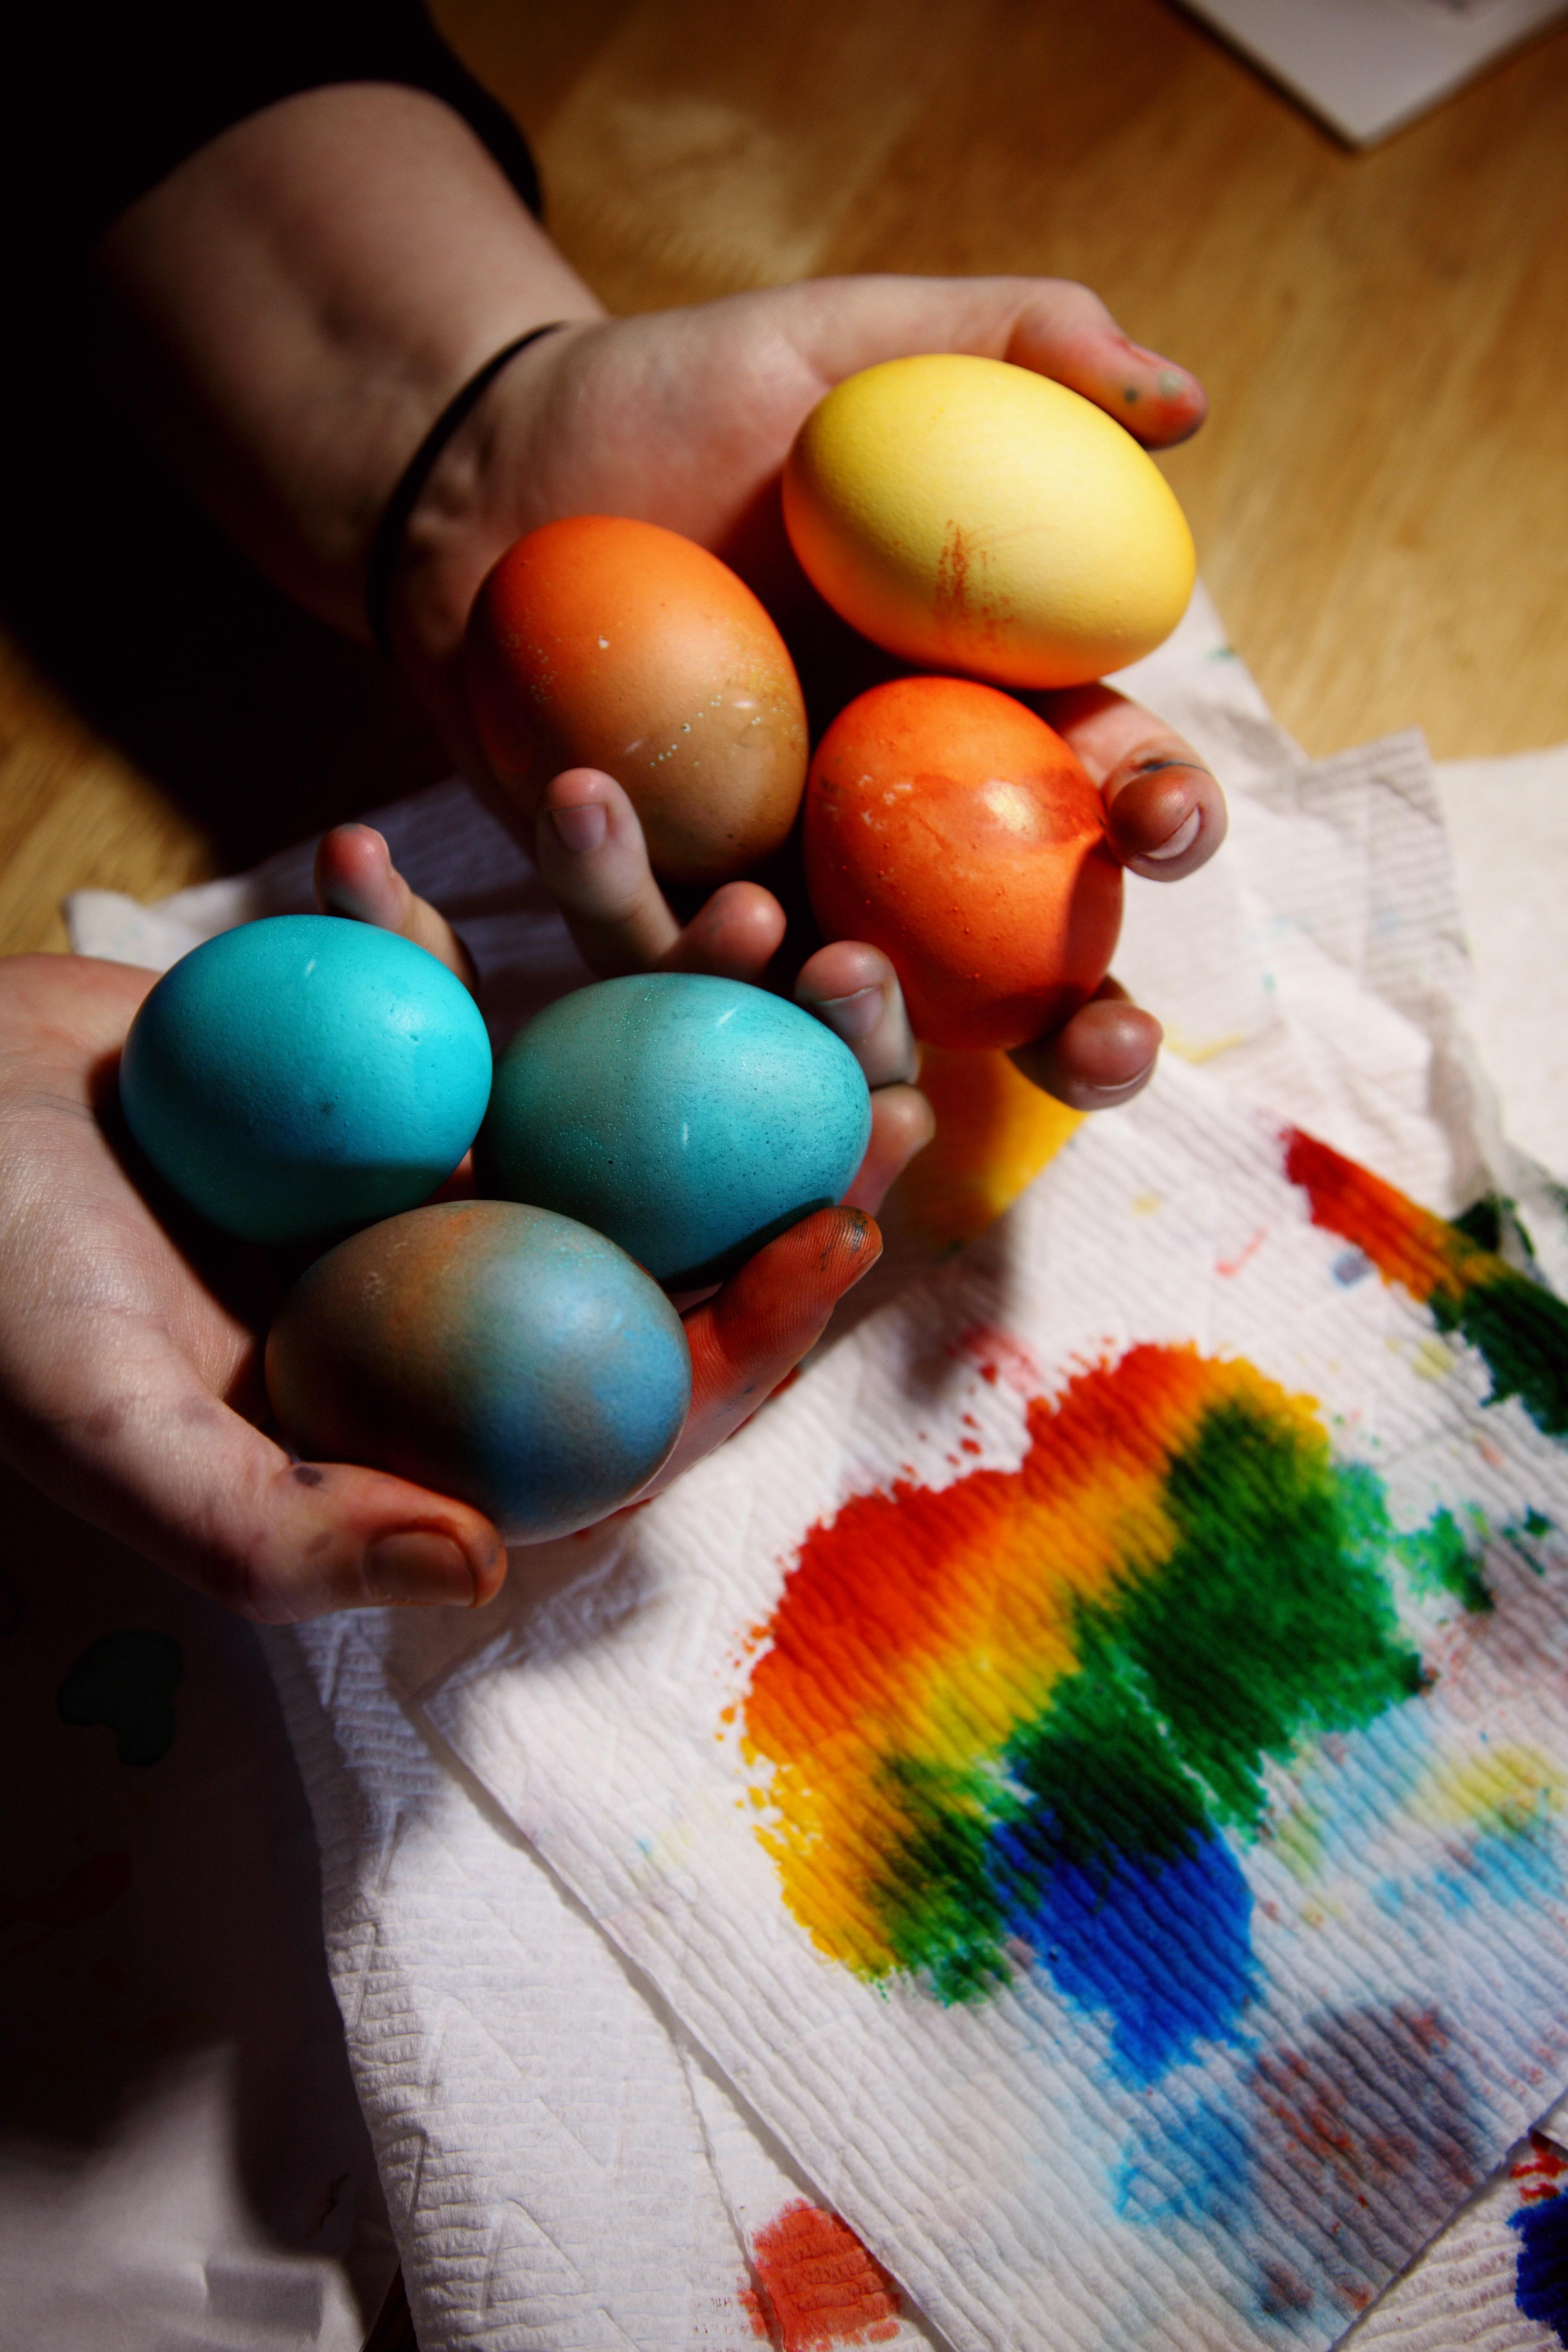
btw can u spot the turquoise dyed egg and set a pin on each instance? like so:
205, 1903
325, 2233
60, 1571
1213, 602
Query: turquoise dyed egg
501, 1354
689, 1118
303, 1074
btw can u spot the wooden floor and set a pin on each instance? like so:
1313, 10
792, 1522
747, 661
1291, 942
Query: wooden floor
1380, 500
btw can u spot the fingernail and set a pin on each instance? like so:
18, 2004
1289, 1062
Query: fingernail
852, 1017
1111, 1094
1187, 833
418, 1566
582, 828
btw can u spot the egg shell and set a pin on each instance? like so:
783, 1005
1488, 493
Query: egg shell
500, 1354
949, 827
603, 642
970, 515
302, 1073
689, 1117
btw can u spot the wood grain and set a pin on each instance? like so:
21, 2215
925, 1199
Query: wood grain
1381, 496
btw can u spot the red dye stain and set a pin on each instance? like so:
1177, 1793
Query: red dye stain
1227, 1266
1519, 1329
818, 2285
1540, 2174
998, 1355
1406, 1245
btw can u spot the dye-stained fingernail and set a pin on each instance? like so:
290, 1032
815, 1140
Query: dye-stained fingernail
852, 1017
1187, 833
418, 1565
581, 829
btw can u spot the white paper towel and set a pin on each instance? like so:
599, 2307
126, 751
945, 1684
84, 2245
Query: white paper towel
484, 2052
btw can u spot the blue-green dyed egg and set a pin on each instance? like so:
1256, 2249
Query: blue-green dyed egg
303, 1074
689, 1118
498, 1353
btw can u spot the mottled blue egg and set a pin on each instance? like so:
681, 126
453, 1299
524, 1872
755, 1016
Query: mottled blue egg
689, 1118
303, 1074
498, 1353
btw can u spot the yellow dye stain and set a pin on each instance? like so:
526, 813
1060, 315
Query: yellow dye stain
1432, 1359
1503, 1790
1203, 1049
1299, 1843
995, 1132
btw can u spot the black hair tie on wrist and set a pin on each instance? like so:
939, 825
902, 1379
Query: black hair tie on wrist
387, 545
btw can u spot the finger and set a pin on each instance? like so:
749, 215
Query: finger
1102, 1056
594, 859
735, 936
355, 877
758, 1327
165, 1465
1065, 331
902, 1123
1052, 325
1164, 811
853, 989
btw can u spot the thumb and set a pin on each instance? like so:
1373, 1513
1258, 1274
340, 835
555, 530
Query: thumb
754, 1331
163, 1465
1052, 325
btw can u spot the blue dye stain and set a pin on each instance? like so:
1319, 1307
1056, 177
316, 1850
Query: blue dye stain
127, 1680
1163, 1947
1351, 1266
1541, 2276
1505, 1866
1185, 2163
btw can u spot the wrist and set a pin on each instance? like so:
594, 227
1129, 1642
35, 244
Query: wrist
491, 483
304, 294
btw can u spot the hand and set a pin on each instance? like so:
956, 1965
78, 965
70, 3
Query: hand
129, 1379
756, 1329
684, 418
304, 293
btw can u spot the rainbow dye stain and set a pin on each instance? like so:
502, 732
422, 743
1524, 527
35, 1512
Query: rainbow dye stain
1541, 2272
1026, 1716
1519, 1329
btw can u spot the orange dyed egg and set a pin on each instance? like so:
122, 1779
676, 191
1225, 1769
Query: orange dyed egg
951, 828
602, 643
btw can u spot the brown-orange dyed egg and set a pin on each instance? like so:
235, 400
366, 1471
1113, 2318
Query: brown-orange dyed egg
602, 643
951, 828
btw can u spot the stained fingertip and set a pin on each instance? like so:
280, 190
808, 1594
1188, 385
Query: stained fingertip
1106, 1054
1166, 817
1181, 841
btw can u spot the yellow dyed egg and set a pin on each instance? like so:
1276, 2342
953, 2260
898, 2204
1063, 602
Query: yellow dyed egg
970, 515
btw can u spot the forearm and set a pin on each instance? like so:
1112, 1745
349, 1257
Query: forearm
300, 299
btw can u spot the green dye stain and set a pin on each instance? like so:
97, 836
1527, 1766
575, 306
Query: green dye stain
1439, 1558
1537, 1524
127, 1680
1271, 1619
940, 1910
1481, 1223
1521, 1330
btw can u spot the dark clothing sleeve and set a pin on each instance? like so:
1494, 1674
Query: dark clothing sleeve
111, 100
